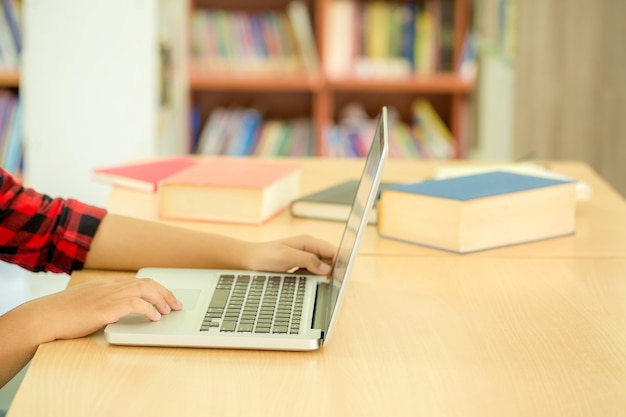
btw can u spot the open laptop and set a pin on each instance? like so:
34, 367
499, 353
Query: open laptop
236, 309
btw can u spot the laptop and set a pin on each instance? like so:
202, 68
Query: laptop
256, 309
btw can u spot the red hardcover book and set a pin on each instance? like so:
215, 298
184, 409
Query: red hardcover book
143, 176
233, 190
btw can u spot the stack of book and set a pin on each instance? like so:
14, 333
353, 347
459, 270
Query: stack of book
223, 189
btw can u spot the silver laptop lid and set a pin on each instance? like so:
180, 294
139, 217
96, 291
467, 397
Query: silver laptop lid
366, 194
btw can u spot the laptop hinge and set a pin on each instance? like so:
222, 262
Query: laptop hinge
320, 313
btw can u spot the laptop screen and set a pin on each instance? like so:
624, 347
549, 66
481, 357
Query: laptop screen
366, 194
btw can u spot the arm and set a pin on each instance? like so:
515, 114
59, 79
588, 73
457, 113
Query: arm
40, 233
76, 312
125, 243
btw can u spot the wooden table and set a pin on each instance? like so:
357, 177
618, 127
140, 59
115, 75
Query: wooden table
530, 330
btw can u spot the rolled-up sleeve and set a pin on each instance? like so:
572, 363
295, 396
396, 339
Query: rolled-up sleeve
40, 233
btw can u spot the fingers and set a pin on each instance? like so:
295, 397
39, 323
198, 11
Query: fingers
316, 266
116, 298
148, 297
160, 297
322, 249
313, 254
308, 261
136, 305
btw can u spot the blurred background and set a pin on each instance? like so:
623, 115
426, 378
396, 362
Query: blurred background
88, 84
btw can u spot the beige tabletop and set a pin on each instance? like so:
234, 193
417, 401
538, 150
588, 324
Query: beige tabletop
510, 332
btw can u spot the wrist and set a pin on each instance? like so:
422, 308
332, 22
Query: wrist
32, 323
244, 258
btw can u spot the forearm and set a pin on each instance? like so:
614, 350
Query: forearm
125, 243
20, 339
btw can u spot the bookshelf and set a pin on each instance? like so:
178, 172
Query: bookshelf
322, 96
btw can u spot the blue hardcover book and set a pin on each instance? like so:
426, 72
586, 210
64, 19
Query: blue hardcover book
478, 185
478, 212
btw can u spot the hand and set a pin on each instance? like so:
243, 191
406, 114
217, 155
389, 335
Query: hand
283, 255
83, 309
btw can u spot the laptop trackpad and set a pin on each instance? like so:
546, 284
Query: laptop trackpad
188, 297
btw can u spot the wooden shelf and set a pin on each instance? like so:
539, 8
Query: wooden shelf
321, 96
438, 83
205, 80
9, 78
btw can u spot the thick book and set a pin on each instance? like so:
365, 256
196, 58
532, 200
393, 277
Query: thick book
478, 212
142, 176
228, 189
332, 203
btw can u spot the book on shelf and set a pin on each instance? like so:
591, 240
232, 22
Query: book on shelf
227, 189
383, 49
144, 175
302, 27
331, 203
393, 39
478, 212
446, 36
243, 141
262, 42
13, 16
12, 142
426, 136
341, 37
495, 27
10, 131
467, 67
10, 34
434, 136
239, 41
243, 131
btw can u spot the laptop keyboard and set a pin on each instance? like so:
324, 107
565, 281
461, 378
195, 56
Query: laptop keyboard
256, 304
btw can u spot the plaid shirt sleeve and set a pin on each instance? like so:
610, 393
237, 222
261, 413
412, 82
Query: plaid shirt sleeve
44, 234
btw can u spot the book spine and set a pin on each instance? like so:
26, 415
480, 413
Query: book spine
13, 153
302, 29
12, 12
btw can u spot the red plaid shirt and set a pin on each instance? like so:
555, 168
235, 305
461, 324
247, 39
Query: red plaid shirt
44, 234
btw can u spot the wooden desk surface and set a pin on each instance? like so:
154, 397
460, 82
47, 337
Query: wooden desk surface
530, 330
416, 336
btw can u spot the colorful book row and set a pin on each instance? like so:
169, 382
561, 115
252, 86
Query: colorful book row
240, 132
381, 39
425, 137
265, 41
